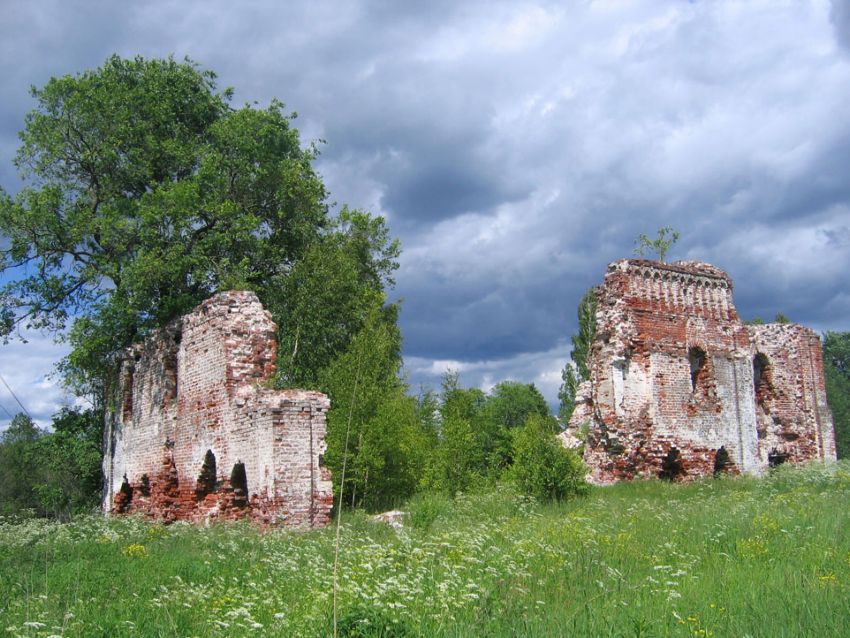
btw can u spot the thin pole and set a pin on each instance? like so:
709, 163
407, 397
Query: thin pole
342, 481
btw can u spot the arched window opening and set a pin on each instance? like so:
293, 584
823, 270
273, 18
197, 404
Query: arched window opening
239, 483
671, 465
124, 498
145, 485
761, 380
775, 458
207, 478
722, 461
696, 358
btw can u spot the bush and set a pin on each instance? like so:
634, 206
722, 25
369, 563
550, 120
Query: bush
363, 621
542, 467
427, 507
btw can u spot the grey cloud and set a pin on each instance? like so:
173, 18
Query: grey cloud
517, 148
840, 16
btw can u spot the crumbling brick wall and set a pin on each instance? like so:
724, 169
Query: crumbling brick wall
793, 420
672, 388
194, 432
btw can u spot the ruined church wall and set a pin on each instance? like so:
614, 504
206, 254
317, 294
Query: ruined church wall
793, 419
672, 366
223, 354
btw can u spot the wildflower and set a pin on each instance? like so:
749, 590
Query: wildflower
135, 550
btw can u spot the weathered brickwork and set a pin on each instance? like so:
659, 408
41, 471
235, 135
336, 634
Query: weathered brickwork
195, 434
680, 387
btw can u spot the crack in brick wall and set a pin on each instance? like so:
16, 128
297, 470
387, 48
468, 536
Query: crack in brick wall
192, 400
674, 372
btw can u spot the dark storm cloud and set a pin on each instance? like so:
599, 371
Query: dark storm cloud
840, 16
518, 147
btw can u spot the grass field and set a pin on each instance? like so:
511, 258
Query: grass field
731, 557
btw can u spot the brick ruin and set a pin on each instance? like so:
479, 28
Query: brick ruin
680, 387
195, 433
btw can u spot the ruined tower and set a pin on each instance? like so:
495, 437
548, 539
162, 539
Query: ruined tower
194, 432
679, 386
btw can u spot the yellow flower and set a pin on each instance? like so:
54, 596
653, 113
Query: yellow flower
135, 551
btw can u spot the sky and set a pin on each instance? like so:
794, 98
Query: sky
515, 148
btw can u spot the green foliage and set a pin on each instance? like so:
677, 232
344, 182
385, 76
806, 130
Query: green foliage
779, 318
583, 341
836, 355
666, 237
473, 445
836, 350
426, 508
147, 192
508, 407
456, 463
577, 371
567, 393
329, 293
542, 467
17, 470
367, 621
70, 477
373, 417
55, 474
510, 404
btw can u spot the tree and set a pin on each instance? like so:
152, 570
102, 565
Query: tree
455, 463
18, 466
567, 393
54, 473
457, 460
508, 407
69, 477
836, 351
542, 467
577, 371
372, 424
660, 245
147, 192
329, 294
836, 360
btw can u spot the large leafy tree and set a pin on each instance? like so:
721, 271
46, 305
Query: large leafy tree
146, 191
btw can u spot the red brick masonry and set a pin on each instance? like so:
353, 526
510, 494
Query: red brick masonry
194, 433
675, 376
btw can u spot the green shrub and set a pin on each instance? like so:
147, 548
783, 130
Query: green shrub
363, 621
427, 507
542, 467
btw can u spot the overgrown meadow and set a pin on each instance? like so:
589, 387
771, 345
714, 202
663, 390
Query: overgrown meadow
728, 557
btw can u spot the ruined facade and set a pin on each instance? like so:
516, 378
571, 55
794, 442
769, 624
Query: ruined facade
680, 387
195, 433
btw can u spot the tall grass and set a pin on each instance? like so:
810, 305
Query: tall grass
731, 557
